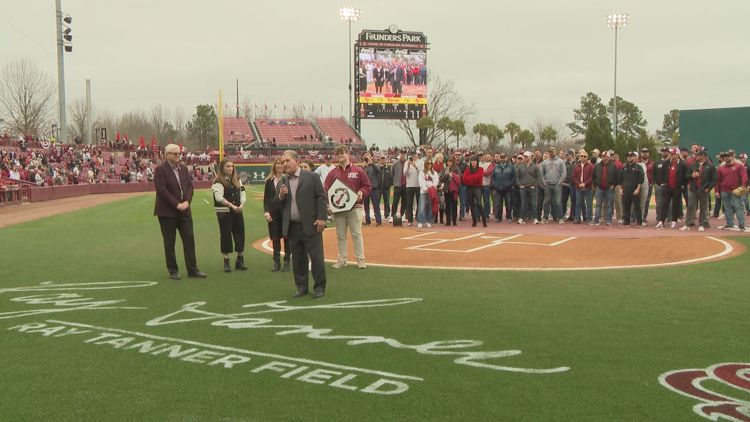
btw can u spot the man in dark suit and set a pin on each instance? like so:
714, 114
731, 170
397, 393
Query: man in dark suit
379, 75
304, 204
174, 191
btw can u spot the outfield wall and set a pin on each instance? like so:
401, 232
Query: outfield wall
719, 129
66, 191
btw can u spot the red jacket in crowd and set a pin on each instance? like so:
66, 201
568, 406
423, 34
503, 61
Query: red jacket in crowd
473, 179
730, 177
583, 174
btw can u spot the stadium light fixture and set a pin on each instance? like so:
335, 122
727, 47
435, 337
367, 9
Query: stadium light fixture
616, 21
350, 14
68, 19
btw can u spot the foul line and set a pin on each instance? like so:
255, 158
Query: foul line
728, 248
238, 350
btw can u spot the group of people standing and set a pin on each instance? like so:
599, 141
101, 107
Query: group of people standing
296, 209
540, 188
529, 187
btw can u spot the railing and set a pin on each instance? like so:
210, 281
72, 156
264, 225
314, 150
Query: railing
14, 192
49, 193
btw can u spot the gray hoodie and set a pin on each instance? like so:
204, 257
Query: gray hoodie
553, 171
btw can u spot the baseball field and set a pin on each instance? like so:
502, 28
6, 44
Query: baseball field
453, 325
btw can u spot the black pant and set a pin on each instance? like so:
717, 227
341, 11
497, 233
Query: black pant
231, 227
451, 209
169, 228
630, 200
568, 192
386, 200
503, 196
277, 250
304, 246
475, 204
539, 203
411, 200
399, 194
675, 196
516, 202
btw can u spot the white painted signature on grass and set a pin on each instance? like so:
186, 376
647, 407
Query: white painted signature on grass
193, 312
69, 302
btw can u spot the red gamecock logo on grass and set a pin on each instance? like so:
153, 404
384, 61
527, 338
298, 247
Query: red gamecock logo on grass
718, 388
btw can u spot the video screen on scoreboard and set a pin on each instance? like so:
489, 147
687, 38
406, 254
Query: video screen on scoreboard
392, 83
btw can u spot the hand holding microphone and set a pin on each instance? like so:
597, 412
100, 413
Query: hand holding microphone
284, 190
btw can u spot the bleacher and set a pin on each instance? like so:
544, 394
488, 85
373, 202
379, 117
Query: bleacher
237, 130
291, 132
338, 130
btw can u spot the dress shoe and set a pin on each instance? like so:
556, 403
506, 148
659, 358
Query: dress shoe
300, 293
175, 276
240, 264
197, 274
317, 294
227, 267
276, 265
285, 268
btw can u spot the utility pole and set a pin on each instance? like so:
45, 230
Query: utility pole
89, 118
61, 73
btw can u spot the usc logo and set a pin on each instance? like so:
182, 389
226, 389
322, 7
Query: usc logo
714, 405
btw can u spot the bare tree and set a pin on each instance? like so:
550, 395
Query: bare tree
443, 101
25, 97
78, 120
104, 119
135, 124
549, 132
179, 119
157, 119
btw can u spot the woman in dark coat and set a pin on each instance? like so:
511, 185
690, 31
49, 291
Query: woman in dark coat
273, 215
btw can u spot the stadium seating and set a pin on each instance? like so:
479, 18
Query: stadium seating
338, 130
287, 131
237, 130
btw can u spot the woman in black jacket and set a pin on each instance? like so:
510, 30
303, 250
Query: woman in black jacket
273, 215
229, 201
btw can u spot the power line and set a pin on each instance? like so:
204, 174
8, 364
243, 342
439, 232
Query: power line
53, 55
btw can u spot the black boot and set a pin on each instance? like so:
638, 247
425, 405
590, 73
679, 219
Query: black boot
285, 268
227, 267
276, 265
240, 264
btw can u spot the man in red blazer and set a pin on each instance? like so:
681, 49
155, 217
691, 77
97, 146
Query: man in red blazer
174, 191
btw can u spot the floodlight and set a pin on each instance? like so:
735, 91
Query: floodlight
349, 14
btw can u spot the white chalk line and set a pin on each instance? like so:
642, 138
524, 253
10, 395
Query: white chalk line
238, 350
495, 242
728, 248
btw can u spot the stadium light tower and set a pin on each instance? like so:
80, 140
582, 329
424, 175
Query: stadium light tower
616, 21
350, 15
64, 45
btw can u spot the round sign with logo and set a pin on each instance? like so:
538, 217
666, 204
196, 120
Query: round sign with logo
341, 197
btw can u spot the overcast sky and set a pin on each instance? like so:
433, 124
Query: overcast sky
513, 60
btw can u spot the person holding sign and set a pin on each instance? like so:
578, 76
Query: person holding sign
346, 185
303, 201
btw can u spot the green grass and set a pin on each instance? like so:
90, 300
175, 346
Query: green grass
616, 330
